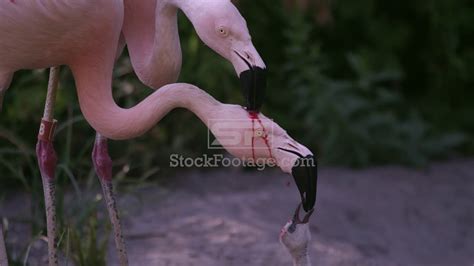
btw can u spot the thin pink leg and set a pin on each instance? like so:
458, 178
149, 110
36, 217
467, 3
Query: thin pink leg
3, 250
47, 161
4, 84
103, 168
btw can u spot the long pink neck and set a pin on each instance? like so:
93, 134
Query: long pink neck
103, 114
151, 32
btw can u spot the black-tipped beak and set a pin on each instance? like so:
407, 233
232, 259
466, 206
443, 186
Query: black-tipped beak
254, 82
305, 174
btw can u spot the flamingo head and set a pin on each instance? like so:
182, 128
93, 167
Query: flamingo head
221, 27
295, 235
253, 136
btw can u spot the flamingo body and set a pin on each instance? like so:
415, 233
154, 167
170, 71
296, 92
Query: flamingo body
40, 34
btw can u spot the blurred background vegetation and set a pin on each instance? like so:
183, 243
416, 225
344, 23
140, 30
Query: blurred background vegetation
361, 83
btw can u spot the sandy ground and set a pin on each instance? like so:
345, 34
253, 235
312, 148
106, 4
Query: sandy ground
380, 216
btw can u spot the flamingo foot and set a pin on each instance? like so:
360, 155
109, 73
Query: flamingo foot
3, 250
47, 160
103, 168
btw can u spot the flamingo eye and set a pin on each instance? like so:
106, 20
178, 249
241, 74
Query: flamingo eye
222, 31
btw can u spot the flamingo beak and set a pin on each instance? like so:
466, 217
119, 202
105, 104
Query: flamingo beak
305, 174
296, 219
254, 81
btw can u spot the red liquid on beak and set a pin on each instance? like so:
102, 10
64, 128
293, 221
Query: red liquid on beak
254, 117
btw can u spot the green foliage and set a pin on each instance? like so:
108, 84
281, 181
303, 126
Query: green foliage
360, 119
83, 223
358, 89
83, 235
382, 83
88, 247
79, 215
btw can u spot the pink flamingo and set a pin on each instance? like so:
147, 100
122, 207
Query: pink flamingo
39, 34
151, 33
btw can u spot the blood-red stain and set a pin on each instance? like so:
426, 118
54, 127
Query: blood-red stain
254, 116
253, 139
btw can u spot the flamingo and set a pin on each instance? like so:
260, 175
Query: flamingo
151, 33
38, 34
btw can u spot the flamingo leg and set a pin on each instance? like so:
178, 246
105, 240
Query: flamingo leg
5, 80
103, 168
3, 250
47, 161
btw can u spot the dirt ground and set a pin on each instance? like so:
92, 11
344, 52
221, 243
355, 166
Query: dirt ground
379, 216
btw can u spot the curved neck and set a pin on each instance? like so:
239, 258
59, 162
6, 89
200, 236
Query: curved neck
151, 32
103, 114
